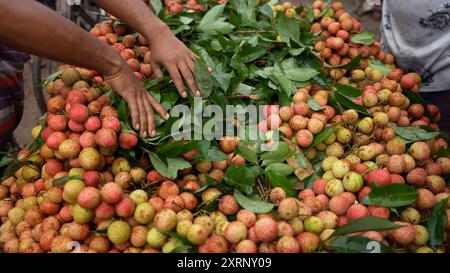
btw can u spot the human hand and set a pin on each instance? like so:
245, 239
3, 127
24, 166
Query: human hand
179, 60
140, 102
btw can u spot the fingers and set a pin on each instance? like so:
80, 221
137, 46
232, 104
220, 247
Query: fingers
157, 72
143, 117
157, 107
150, 116
176, 77
189, 78
132, 105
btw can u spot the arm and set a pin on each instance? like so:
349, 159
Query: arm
166, 49
43, 32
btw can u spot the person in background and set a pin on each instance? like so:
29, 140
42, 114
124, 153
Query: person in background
417, 33
28, 26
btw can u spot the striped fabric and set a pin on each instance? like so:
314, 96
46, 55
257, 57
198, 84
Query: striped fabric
11, 92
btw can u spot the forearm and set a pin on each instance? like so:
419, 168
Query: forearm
28, 26
137, 15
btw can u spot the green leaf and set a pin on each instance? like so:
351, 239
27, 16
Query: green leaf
358, 244
63, 180
279, 180
323, 135
12, 168
301, 74
313, 104
288, 29
246, 11
169, 169
364, 38
256, 206
443, 152
348, 90
283, 82
308, 181
301, 161
437, 224
391, 196
280, 153
347, 103
296, 51
7, 159
280, 168
379, 65
203, 78
249, 54
209, 206
240, 177
413, 133
157, 6
247, 153
266, 10
52, 77
365, 224
212, 22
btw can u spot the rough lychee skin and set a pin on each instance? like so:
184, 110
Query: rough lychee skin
228, 205
197, 234
235, 232
396, 164
308, 241
403, 235
435, 184
425, 199
89, 198
352, 182
106, 138
277, 194
304, 138
55, 139
119, 232
381, 177
286, 113
420, 151
411, 215
416, 177
380, 212
168, 188
334, 187
288, 208
87, 140
127, 141
357, 211
266, 229
111, 193
90, 159
60, 244
92, 124
247, 217
165, 220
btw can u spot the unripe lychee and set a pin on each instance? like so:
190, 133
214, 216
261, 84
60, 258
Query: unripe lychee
396, 164
411, 215
352, 182
119, 232
425, 199
165, 220
366, 125
334, 187
197, 234
395, 147
82, 215
339, 169
420, 151
89, 159
288, 208
236, 232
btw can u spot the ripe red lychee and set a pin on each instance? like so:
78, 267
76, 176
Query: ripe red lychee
111, 193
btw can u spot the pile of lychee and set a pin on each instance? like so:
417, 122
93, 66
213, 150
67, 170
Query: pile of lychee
75, 193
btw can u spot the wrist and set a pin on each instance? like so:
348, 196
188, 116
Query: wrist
156, 32
113, 64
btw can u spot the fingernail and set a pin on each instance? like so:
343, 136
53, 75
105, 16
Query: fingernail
153, 133
184, 95
144, 134
167, 116
136, 126
198, 93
